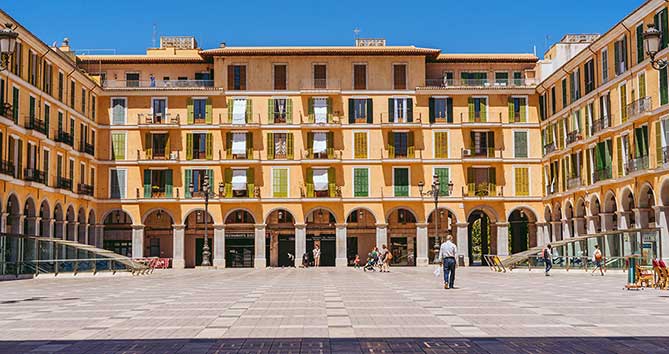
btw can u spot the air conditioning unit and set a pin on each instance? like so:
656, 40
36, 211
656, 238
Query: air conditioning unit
173, 155
466, 152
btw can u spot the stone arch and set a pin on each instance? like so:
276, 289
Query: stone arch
107, 214
81, 226
646, 204
198, 228
92, 232
522, 229
58, 221
480, 231
280, 239
321, 233
69, 223
569, 216
29, 215
312, 210
664, 192
13, 209
627, 199
240, 238
401, 235
45, 219
117, 232
372, 214
395, 209
200, 210
232, 217
158, 234
580, 208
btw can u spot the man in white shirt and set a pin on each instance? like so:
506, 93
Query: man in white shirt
317, 256
447, 254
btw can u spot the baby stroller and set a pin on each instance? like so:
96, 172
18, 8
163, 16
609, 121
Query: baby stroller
371, 264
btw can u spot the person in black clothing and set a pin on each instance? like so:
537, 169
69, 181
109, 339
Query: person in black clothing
548, 258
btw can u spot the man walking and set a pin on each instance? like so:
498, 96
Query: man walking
317, 256
447, 253
548, 258
597, 259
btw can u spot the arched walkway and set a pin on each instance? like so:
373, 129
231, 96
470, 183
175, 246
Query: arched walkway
81, 226
557, 222
437, 229
596, 219
548, 216
158, 235
402, 236
29, 218
280, 239
69, 227
239, 239
361, 234
13, 210
194, 237
522, 230
321, 233
646, 207
45, 219
610, 210
92, 231
58, 222
628, 219
118, 232
479, 232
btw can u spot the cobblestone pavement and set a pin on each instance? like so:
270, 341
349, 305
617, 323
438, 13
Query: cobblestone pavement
333, 310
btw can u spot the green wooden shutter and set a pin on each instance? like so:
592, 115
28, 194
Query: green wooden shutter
328, 106
332, 182
511, 109
289, 146
639, 43
168, 184
330, 144
391, 110
190, 117
312, 117
623, 103
212, 183
664, 87
471, 183
520, 144
391, 145
270, 146
409, 110
148, 144
523, 109
147, 183
230, 109
361, 182
250, 181
249, 145
270, 111
310, 182
665, 28
449, 110
209, 146
411, 149
470, 105
189, 146
642, 85
289, 110
280, 183
443, 175
188, 177
619, 150
249, 111
351, 111
228, 183
483, 103
209, 114
431, 107
228, 145
401, 182
658, 144
370, 111
310, 144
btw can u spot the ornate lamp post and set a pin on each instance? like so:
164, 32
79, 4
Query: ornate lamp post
206, 193
7, 44
434, 192
652, 39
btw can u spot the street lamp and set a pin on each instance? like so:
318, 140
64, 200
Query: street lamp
206, 192
434, 192
7, 44
652, 39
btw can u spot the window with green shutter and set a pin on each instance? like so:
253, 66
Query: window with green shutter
664, 87
522, 177
443, 174
639, 43
564, 92
520, 144
118, 146
441, 145
118, 111
623, 103
360, 145
401, 181
280, 182
361, 182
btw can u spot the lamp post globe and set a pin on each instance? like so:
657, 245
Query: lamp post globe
7, 43
652, 41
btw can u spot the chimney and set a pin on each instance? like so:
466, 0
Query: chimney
221, 45
65, 49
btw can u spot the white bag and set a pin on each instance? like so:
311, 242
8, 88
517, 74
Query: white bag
437, 271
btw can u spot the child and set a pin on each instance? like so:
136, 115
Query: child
356, 262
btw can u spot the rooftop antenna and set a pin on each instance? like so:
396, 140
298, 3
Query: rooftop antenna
154, 34
535, 50
357, 32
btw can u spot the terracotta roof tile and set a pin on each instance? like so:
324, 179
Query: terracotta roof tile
138, 59
350, 50
487, 58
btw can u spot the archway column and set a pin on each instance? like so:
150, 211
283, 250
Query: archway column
591, 221
462, 241
300, 242
137, 241
20, 219
85, 226
59, 225
566, 232
662, 221
502, 238
624, 220
178, 240
259, 260
541, 236
99, 235
340, 232
422, 254
641, 217
219, 246
556, 225
606, 221
381, 235
3, 222
33, 222
579, 226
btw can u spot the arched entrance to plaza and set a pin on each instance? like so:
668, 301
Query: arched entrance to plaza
69, 224
441, 226
280, 239
58, 221
81, 226
580, 221
646, 206
29, 215
595, 219
239, 239
569, 216
479, 231
45, 219
610, 212
194, 237
92, 234
628, 219
321, 232
158, 234
402, 236
118, 232
361, 234
557, 222
522, 230
13, 210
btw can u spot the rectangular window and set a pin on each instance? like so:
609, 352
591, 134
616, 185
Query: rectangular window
118, 107
93, 103
564, 93
359, 76
360, 145
522, 176
47, 78
623, 102
73, 93
159, 109
132, 79
400, 144
441, 110
553, 101
620, 57
443, 173
32, 67
199, 146
474, 78
501, 78
280, 77
361, 182
320, 76
117, 183
15, 104
45, 164
199, 110
280, 182
542, 107
237, 77
360, 110
61, 83
605, 65
118, 146
660, 20
440, 145
282, 148
575, 81
477, 109
401, 181
520, 144
83, 100
400, 110
641, 141
279, 111
639, 43
399, 76
517, 109
589, 73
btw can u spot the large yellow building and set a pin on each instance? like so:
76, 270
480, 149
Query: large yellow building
327, 146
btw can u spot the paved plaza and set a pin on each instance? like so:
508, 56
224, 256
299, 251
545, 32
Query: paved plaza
332, 310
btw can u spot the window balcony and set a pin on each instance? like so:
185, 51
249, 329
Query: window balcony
550, 189
443, 83
637, 164
483, 189
34, 175
159, 119
574, 136
66, 138
320, 86
665, 155
34, 123
399, 121
158, 192
329, 154
64, 183
602, 174
481, 152
549, 148
7, 111
7, 168
640, 106
157, 84
398, 153
333, 191
87, 148
574, 182
84, 189
600, 124
158, 155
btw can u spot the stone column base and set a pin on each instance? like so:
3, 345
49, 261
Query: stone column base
178, 264
219, 263
341, 262
421, 262
259, 263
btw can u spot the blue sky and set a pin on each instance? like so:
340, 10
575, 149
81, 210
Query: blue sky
451, 25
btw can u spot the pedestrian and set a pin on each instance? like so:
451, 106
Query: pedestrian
447, 253
548, 258
152, 81
317, 256
385, 259
597, 260
375, 256
305, 260
356, 262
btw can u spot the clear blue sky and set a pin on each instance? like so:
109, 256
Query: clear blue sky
452, 25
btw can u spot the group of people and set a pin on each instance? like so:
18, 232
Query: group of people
547, 255
375, 260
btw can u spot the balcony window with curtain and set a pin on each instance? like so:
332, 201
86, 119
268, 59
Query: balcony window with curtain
239, 111
280, 110
320, 110
320, 144
199, 110
239, 183
321, 182
239, 144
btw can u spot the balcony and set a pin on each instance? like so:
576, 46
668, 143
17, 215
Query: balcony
158, 192
64, 183
442, 83
34, 175
6, 110
636, 165
602, 174
333, 191
160, 155
399, 121
481, 152
159, 119
574, 182
484, 189
600, 124
85, 189
37, 124
397, 153
87, 148
157, 84
550, 189
66, 138
640, 106
7, 168
665, 155
574, 136
329, 154
320, 86
548, 148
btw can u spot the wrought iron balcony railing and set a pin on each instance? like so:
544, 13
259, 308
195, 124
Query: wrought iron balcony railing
85, 189
34, 175
600, 124
7, 168
484, 189
639, 106
602, 174
440, 83
574, 136
548, 148
636, 164
66, 138
157, 84
34, 123
64, 183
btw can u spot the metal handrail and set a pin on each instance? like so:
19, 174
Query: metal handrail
157, 84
